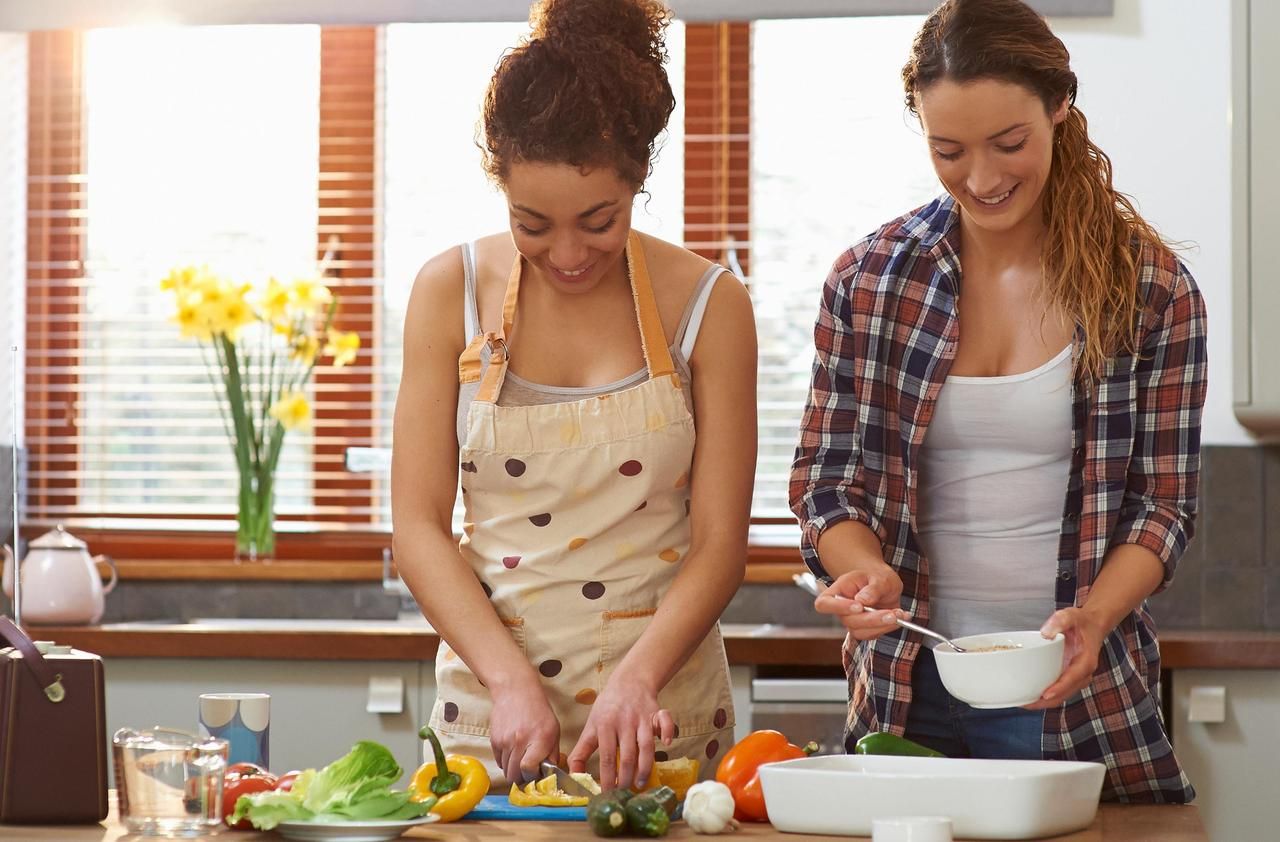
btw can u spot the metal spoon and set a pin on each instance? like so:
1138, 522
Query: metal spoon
906, 624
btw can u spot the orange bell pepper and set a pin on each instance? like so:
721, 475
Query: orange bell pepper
740, 770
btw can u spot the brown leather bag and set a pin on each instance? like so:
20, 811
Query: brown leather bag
53, 733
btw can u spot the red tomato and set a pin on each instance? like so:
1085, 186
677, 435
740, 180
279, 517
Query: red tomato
242, 769
285, 783
235, 785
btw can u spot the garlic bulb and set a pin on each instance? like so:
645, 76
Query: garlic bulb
708, 808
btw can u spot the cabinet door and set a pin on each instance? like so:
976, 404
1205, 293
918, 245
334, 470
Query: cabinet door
1232, 763
318, 708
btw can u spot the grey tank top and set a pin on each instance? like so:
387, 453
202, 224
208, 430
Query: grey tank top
516, 391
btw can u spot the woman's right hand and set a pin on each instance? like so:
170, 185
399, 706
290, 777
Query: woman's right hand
523, 731
866, 600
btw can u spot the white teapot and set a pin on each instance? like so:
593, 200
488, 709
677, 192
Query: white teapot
60, 581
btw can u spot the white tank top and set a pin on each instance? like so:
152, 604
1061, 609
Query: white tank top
993, 478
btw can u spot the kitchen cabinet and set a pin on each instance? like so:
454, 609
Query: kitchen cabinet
318, 708
1232, 762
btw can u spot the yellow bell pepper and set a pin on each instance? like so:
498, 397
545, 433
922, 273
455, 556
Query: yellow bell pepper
458, 782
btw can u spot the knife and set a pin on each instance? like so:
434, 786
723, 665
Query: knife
564, 782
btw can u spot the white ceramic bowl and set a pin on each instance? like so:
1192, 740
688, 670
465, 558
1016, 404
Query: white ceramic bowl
844, 794
1003, 678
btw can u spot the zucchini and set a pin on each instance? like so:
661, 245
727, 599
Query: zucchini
646, 816
666, 796
607, 816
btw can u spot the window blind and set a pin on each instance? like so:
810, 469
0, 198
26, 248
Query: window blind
132, 172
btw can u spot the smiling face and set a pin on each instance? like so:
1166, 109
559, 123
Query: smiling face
992, 146
570, 224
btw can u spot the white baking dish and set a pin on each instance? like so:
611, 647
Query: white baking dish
985, 799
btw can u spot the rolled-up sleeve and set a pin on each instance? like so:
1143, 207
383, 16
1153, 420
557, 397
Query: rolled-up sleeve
826, 484
1159, 507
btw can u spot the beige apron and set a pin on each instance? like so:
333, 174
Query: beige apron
576, 520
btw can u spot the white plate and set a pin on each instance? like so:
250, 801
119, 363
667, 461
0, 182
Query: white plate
375, 830
985, 799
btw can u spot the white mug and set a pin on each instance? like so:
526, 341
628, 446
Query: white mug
243, 720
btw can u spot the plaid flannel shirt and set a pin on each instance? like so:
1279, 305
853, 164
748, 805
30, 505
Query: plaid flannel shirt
885, 337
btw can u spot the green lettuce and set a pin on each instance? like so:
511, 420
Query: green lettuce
355, 787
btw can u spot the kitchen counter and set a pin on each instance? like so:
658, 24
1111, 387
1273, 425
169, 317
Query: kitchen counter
750, 644
1114, 823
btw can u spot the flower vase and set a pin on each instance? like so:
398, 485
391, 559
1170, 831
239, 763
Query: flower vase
255, 525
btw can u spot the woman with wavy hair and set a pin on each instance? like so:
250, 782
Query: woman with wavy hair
1003, 429
561, 368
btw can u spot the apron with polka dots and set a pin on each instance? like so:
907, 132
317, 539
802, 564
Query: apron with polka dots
576, 522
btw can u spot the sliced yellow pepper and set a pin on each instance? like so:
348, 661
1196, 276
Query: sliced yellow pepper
543, 793
458, 782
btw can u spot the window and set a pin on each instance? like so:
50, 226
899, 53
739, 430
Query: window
191, 158
830, 88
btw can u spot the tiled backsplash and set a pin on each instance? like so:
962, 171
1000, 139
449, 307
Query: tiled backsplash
1228, 579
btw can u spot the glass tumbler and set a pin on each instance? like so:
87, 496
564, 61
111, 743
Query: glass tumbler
169, 782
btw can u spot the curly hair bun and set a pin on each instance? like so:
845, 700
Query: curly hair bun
637, 25
588, 87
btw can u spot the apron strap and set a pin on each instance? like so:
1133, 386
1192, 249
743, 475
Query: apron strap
499, 356
653, 339
469, 362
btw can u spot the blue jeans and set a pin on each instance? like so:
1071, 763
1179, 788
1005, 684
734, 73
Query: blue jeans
943, 723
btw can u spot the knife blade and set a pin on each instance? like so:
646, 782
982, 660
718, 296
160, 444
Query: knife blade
564, 782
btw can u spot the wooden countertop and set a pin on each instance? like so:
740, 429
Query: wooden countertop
1114, 823
753, 644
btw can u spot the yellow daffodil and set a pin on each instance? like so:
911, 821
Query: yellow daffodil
229, 314
191, 321
342, 346
275, 302
293, 411
178, 280
304, 348
309, 295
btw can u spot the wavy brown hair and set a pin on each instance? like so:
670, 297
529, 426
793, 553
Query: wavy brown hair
1095, 239
587, 88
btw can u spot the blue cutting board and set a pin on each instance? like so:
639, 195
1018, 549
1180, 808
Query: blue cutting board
498, 808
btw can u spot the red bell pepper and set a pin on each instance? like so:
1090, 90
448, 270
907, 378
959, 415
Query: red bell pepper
740, 770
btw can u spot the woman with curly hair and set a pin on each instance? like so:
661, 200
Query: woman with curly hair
1003, 428
561, 369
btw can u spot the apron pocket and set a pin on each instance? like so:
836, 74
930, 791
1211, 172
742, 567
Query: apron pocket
462, 703
698, 696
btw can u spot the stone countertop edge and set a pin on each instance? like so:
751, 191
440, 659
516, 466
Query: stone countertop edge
745, 644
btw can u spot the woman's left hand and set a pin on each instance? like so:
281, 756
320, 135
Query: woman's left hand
1084, 637
622, 724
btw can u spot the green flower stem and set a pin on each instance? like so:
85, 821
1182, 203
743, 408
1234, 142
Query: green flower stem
208, 370
255, 521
